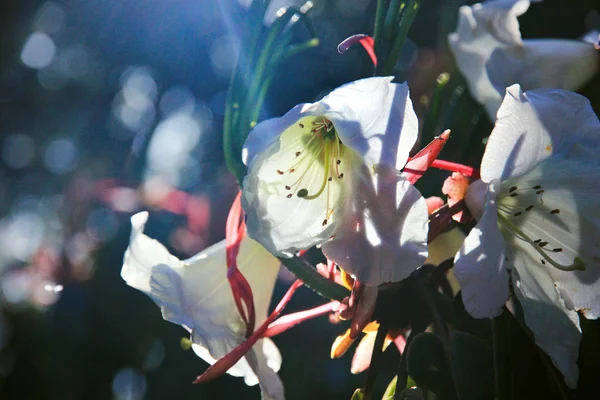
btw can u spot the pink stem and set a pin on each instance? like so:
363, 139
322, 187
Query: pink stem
455, 167
288, 321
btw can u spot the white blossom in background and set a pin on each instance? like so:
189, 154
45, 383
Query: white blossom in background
326, 174
490, 53
195, 293
538, 211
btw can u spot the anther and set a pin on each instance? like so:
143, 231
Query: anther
302, 193
292, 170
338, 162
529, 208
513, 194
543, 261
301, 125
536, 187
540, 191
341, 176
324, 222
280, 172
330, 179
289, 196
536, 241
512, 189
517, 213
542, 244
555, 211
298, 153
557, 250
287, 187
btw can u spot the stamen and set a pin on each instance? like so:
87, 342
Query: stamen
555, 211
577, 265
513, 194
517, 213
512, 189
540, 191
529, 208
280, 172
536, 187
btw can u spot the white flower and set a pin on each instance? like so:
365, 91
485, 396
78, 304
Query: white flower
311, 181
491, 55
195, 293
538, 211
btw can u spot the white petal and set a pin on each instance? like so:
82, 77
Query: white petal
195, 292
479, 266
384, 235
142, 254
475, 198
531, 127
555, 328
270, 385
242, 368
374, 117
544, 63
265, 133
481, 29
277, 217
566, 216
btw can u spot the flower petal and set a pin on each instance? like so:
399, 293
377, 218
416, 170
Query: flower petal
543, 63
374, 117
479, 266
386, 222
270, 385
566, 217
481, 29
195, 292
531, 127
555, 328
143, 253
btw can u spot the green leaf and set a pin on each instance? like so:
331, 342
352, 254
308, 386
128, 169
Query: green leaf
359, 394
472, 366
427, 363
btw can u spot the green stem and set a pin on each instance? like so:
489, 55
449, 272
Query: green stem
408, 16
502, 369
390, 25
312, 279
378, 30
430, 124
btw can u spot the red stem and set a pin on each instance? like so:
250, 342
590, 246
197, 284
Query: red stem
222, 365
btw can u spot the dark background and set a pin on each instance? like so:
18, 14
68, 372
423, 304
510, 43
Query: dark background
97, 95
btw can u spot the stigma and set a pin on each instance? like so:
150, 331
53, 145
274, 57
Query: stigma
314, 165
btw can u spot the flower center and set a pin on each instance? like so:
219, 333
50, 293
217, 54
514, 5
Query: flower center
514, 205
318, 163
